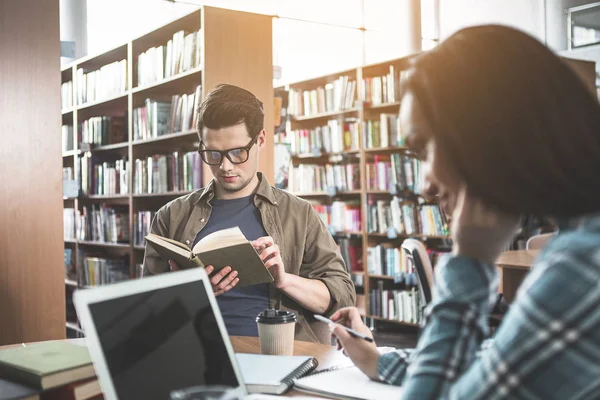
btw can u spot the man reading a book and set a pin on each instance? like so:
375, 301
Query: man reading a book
310, 276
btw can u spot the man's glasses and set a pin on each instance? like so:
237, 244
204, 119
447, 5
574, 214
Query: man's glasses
239, 155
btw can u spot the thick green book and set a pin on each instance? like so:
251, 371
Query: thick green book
227, 247
46, 364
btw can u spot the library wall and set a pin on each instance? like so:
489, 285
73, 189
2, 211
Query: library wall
31, 266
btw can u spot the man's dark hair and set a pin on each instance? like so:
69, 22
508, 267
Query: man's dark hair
229, 105
517, 123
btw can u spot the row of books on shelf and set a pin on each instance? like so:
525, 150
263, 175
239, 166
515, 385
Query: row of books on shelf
397, 217
335, 137
335, 96
173, 172
328, 178
90, 270
72, 220
394, 173
142, 222
96, 223
103, 130
384, 259
345, 135
400, 305
351, 251
108, 81
158, 173
181, 53
384, 89
383, 133
157, 118
340, 216
67, 138
341, 93
66, 95
103, 178
95, 271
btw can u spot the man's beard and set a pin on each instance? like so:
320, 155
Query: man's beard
237, 188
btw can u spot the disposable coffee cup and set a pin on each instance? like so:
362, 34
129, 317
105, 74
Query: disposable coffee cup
276, 332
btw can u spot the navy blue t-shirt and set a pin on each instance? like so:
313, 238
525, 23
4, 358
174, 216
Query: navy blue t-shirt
239, 306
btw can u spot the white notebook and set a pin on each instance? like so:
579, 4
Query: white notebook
273, 374
346, 383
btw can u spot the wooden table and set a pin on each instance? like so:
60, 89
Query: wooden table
327, 356
513, 267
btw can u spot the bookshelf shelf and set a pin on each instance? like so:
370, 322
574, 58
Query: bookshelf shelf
70, 241
67, 111
70, 282
325, 155
403, 236
325, 194
164, 194
394, 321
391, 149
349, 233
382, 107
325, 115
104, 244
110, 147
168, 137
167, 81
373, 191
386, 277
104, 197
106, 102
70, 153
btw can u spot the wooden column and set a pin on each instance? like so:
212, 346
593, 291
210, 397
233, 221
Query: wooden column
239, 51
32, 299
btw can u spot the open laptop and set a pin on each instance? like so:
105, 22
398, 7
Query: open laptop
151, 336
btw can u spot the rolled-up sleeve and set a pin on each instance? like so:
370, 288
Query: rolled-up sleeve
322, 260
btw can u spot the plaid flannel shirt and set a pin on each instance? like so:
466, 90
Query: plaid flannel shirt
547, 347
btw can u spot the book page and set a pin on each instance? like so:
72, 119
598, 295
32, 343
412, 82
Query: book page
218, 240
171, 244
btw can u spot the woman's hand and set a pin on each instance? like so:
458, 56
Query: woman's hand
478, 231
362, 353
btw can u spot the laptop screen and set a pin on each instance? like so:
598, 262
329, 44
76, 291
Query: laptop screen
162, 340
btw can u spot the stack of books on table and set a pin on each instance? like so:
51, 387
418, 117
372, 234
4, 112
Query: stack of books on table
48, 370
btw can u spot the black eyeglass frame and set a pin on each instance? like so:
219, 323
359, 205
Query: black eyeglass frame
225, 153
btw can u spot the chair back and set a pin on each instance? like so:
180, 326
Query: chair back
417, 254
539, 241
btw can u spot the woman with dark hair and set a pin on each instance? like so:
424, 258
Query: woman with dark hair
504, 128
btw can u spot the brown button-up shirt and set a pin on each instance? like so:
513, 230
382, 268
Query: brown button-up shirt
307, 249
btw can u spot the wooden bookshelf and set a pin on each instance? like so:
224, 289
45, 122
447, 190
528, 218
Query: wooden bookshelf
364, 108
221, 49
393, 321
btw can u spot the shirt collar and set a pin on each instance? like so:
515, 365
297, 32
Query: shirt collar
264, 190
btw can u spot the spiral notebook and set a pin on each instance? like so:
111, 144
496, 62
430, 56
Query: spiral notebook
347, 383
273, 374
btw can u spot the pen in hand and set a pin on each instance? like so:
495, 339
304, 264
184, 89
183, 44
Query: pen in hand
352, 332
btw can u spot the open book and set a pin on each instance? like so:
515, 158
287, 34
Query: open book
227, 247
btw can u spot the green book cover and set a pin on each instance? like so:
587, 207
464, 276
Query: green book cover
44, 358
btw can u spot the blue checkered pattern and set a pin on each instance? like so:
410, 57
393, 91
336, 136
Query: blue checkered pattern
547, 347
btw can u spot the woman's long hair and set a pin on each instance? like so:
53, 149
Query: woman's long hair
519, 125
